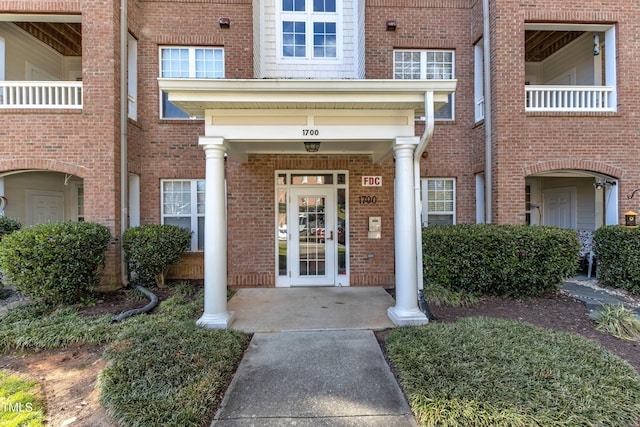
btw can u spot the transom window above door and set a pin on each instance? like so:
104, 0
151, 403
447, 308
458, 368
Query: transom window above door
309, 29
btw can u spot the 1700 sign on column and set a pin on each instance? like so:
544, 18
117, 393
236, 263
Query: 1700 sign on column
310, 132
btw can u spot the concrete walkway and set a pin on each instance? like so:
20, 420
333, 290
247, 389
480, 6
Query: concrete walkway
313, 360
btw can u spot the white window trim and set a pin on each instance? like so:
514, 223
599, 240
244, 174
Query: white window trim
309, 17
425, 200
192, 73
423, 73
194, 215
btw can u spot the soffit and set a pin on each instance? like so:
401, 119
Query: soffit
541, 44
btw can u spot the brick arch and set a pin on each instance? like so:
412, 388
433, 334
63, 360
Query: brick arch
586, 165
44, 165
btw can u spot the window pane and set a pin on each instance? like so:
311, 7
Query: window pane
446, 111
200, 233
406, 65
176, 198
209, 64
301, 179
175, 63
200, 196
184, 222
324, 39
440, 220
324, 5
293, 5
293, 39
170, 111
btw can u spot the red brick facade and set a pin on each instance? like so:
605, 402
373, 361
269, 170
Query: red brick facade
86, 143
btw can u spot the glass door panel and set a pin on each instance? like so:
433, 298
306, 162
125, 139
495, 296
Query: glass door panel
314, 238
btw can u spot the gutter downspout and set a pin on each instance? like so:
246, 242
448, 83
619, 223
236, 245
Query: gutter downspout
429, 125
487, 112
124, 106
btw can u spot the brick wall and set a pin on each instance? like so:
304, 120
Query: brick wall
599, 142
83, 143
251, 217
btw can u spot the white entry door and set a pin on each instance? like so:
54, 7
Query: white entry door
44, 206
560, 206
313, 236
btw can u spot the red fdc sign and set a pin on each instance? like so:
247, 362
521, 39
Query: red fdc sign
372, 181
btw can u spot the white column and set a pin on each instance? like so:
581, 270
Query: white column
406, 311
215, 313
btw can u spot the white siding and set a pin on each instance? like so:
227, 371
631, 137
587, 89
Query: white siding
576, 58
22, 51
267, 58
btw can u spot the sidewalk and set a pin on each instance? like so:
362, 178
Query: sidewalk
594, 296
313, 360
320, 378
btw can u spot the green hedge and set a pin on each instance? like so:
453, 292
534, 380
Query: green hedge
505, 260
617, 250
8, 225
58, 262
151, 249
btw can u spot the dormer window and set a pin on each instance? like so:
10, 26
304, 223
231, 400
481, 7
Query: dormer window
309, 29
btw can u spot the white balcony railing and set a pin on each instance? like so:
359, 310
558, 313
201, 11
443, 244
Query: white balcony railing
50, 94
569, 98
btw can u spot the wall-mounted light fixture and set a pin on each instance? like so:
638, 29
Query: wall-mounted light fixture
596, 45
224, 22
312, 146
391, 25
600, 184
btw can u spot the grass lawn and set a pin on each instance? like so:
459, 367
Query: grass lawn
20, 402
491, 372
164, 369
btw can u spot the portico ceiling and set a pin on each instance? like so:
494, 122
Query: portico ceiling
272, 116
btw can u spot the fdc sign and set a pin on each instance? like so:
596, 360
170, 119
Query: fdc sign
372, 181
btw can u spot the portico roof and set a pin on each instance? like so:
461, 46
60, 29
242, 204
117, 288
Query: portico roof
275, 115
194, 96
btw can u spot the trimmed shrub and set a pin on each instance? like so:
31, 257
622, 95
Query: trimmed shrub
58, 262
8, 225
506, 260
617, 249
151, 249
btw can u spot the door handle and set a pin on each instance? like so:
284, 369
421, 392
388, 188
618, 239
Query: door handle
331, 235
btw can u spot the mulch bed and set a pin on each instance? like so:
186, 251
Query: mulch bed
554, 310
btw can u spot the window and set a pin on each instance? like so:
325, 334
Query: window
438, 201
426, 65
80, 201
132, 77
188, 63
183, 205
309, 29
478, 80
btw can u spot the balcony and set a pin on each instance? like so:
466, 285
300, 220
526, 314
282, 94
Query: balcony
47, 94
547, 98
41, 61
570, 68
